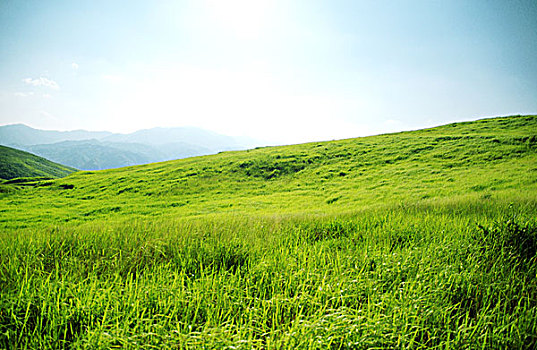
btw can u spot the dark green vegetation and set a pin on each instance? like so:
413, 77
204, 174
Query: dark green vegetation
423, 239
15, 163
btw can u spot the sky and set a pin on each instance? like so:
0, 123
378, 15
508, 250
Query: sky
281, 71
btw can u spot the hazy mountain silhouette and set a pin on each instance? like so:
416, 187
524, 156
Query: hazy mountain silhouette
88, 150
21, 135
187, 135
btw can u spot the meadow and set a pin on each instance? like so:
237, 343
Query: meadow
422, 239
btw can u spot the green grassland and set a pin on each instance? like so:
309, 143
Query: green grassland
422, 239
15, 164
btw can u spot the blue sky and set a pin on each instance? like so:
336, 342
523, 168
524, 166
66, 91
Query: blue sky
281, 71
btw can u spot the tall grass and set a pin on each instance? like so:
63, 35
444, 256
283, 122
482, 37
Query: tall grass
423, 239
431, 276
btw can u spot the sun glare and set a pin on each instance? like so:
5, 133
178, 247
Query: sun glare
245, 18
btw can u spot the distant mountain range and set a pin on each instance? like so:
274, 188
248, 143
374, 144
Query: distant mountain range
88, 150
20, 134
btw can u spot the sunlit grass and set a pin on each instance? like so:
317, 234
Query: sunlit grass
410, 254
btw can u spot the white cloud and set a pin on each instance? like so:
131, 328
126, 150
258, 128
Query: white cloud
47, 95
75, 66
42, 81
23, 94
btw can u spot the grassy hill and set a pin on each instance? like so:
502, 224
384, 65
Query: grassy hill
15, 163
409, 240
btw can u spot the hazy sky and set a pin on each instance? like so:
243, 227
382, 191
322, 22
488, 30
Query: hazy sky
283, 70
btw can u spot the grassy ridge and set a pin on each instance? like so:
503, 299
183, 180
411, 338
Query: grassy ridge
410, 240
15, 163
487, 158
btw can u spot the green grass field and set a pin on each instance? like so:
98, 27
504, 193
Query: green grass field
423, 239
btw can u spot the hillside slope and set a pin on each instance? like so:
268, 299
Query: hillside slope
15, 163
424, 239
483, 158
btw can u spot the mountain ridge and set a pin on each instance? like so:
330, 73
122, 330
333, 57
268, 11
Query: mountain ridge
23, 135
97, 150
